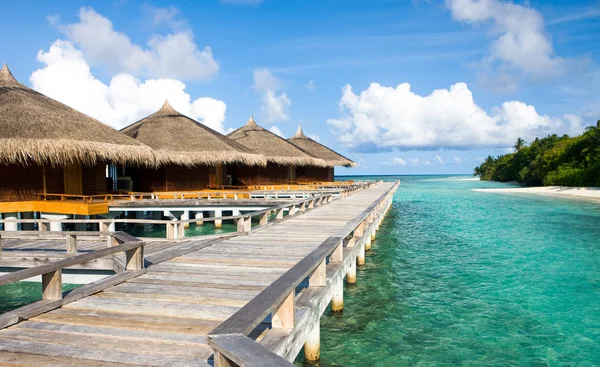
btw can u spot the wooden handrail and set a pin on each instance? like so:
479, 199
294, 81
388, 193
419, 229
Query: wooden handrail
52, 294
243, 351
269, 300
75, 260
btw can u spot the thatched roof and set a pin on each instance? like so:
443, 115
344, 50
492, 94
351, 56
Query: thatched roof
276, 149
37, 129
178, 139
319, 150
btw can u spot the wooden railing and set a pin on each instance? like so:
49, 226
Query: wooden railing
52, 294
221, 192
175, 227
337, 256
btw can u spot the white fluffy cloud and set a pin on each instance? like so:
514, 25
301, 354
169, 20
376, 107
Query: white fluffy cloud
67, 78
439, 160
397, 161
274, 105
381, 118
174, 55
520, 41
275, 130
457, 160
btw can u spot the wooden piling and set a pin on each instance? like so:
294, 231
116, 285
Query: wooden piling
52, 285
337, 301
312, 345
351, 273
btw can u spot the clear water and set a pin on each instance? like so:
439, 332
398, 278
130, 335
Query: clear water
19, 294
458, 277
160, 230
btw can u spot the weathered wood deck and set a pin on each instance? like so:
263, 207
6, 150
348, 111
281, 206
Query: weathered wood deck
164, 316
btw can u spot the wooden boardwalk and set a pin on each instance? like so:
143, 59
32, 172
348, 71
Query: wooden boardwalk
162, 318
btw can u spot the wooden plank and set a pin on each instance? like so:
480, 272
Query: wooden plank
85, 353
140, 322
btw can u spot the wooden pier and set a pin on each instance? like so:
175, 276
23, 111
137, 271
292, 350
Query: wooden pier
248, 300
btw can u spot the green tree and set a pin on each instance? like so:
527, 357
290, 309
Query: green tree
520, 143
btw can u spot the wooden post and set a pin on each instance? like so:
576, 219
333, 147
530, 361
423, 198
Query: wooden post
0, 242
170, 231
284, 317
292, 210
199, 215
302, 207
111, 240
43, 226
351, 273
338, 254
337, 301
279, 214
312, 346
319, 277
368, 244
103, 226
222, 361
52, 285
358, 232
240, 224
311, 204
71, 243
248, 224
264, 218
360, 259
134, 258
180, 230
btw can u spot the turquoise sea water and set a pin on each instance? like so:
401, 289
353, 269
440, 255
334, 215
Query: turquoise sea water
458, 277
19, 294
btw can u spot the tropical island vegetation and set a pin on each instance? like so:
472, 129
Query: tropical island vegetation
550, 161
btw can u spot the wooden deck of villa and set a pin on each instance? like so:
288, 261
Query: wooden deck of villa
164, 316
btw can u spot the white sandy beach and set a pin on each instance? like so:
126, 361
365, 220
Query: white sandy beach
557, 191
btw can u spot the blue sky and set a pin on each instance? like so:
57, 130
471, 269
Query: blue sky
399, 86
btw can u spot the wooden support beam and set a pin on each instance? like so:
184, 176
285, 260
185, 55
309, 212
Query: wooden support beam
71, 243
264, 218
134, 258
368, 244
312, 345
351, 273
360, 259
337, 300
311, 204
52, 285
284, 317
170, 231
319, 277
338, 254
222, 361
111, 241
279, 214
43, 226
180, 231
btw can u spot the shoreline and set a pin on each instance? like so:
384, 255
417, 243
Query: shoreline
587, 193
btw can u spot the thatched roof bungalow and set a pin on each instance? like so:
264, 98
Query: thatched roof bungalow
317, 150
282, 156
46, 146
190, 155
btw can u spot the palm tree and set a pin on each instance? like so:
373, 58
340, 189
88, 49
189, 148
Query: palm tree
520, 144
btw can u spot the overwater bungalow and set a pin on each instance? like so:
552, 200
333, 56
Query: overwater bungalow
317, 150
190, 156
47, 148
282, 156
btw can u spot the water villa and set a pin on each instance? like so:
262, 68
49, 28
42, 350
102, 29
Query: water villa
319, 151
283, 157
48, 148
189, 155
